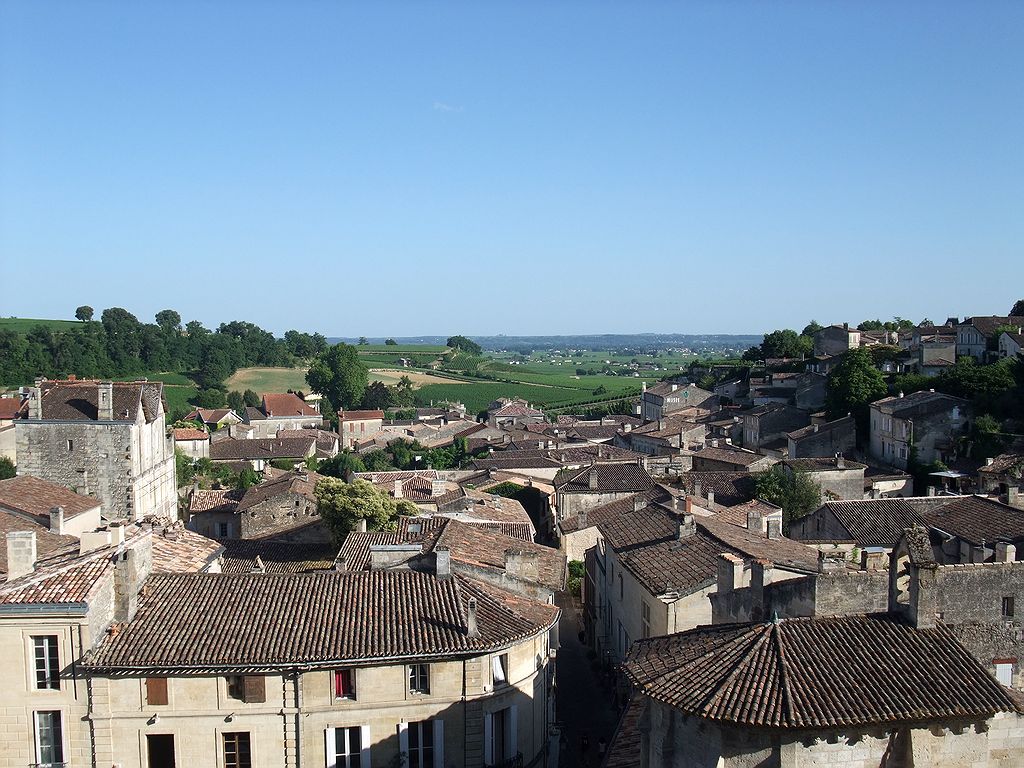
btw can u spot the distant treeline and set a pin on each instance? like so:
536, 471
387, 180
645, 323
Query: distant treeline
607, 342
119, 345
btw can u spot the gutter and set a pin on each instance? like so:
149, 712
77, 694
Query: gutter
43, 609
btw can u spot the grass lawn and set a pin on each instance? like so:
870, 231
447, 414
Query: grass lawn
261, 380
25, 324
177, 397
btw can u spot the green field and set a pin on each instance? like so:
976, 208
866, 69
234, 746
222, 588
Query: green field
24, 324
177, 398
262, 380
400, 349
477, 396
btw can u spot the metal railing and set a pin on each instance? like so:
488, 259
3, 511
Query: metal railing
513, 762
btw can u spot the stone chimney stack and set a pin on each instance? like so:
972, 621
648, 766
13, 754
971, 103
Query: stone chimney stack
522, 565
398, 494
755, 521
711, 498
696, 488
438, 488
105, 401
582, 518
472, 629
687, 526
442, 562
116, 533
760, 576
57, 520
1005, 552
774, 528
35, 403
730, 572
21, 554
639, 502
361, 525
592, 479
840, 461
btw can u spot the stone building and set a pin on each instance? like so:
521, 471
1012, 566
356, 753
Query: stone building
591, 486
822, 439
103, 439
928, 421
667, 397
281, 411
663, 437
9, 408
505, 412
838, 477
258, 453
719, 457
835, 340
356, 426
765, 428
978, 337
423, 667
194, 443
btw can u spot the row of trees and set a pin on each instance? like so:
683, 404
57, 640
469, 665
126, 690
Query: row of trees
121, 345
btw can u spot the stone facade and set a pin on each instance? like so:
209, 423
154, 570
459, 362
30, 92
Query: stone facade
819, 440
927, 421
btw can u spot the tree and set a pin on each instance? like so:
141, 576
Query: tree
462, 344
986, 438
377, 461
377, 397
795, 492
362, 341
247, 478
185, 467
390, 343
84, 313
7, 470
337, 374
852, 386
1017, 310
342, 505
250, 398
342, 464
168, 320
811, 328
786, 343
235, 401
210, 398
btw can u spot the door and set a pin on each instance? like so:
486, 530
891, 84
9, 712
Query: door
160, 747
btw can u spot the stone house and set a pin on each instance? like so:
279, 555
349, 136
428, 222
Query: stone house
327, 443
505, 412
52, 507
667, 397
663, 437
835, 340
929, 421
281, 411
1011, 343
838, 477
259, 452
766, 426
356, 426
214, 419
822, 439
107, 440
715, 457
975, 529
1003, 475
194, 443
9, 408
810, 391
596, 484
418, 666
978, 337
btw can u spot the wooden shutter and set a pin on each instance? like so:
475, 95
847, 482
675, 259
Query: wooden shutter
364, 746
403, 741
156, 690
329, 742
254, 689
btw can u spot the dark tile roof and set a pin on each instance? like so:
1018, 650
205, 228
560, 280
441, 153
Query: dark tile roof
276, 557
266, 448
1005, 462
301, 483
511, 460
846, 422
213, 501
737, 457
203, 622
918, 403
49, 546
625, 748
33, 496
621, 477
360, 415
730, 488
823, 465
512, 408
816, 673
77, 400
976, 519
875, 522
178, 550
987, 325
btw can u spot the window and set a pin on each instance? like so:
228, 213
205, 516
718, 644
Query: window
47, 662
645, 619
237, 751
499, 669
222, 530
71, 445
345, 684
156, 690
500, 736
419, 678
421, 744
1008, 607
1004, 671
346, 746
620, 587
248, 688
49, 739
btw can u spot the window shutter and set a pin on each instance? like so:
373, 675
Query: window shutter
254, 689
488, 738
438, 743
364, 746
513, 730
329, 750
156, 690
403, 741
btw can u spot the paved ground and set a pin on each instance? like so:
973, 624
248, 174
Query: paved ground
584, 705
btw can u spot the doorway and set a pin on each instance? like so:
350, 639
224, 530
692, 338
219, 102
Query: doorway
161, 750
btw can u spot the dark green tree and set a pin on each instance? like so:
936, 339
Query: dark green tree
342, 505
377, 397
210, 398
338, 375
391, 343
811, 328
250, 398
463, 344
342, 464
1017, 310
235, 401
84, 313
7, 469
168, 320
852, 386
795, 492
786, 343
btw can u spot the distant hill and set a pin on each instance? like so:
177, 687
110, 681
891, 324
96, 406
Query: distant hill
606, 341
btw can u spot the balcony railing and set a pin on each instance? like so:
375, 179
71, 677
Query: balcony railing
512, 762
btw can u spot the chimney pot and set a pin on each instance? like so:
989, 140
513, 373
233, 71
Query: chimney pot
687, 525
116, 533
711, 498
730, 572
774, 528
21, 554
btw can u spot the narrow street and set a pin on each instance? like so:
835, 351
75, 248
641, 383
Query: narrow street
584, 705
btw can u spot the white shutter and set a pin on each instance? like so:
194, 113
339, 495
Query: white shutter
364, 746
488, 739
329, 742
403, 741
438, 743
513, 730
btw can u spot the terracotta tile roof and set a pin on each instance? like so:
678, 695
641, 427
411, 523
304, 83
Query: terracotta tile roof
301, 483
276, 557
622, 477
32, 496
625, 748
9, 407
816, 673
1005, 462
730, 488
286, 404
514, 461
918, 403
262, 448
49, 546
214, 501
822, 465
325, 441
724, 455
77, 400
182, 434
738, 514
70, 578
210, 415
179, 550
360, 415
513, 408
200, 622
976, 519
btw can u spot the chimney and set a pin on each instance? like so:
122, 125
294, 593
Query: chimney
21, 554
675, 387
1013, 497
130, 570
592, 479
988, 461
341, 564
643, 386
714, 442
687, 525
639, 502
442, 562
57, 520
840, 461
774, 528
116, 533
522, 565
873, 559
696, 487
1005, 552
730, 572
755, 521
438, 488
472, 630
711, 498
361, 525
582, 520
688, 505
105, 401
35, 403
815, 429
661, 425
398, 490
258, 566
760, 575
627, 427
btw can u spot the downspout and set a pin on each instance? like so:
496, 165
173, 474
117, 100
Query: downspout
297, 677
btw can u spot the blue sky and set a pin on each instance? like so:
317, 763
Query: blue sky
435, 168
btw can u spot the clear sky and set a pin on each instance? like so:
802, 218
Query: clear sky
435, 168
